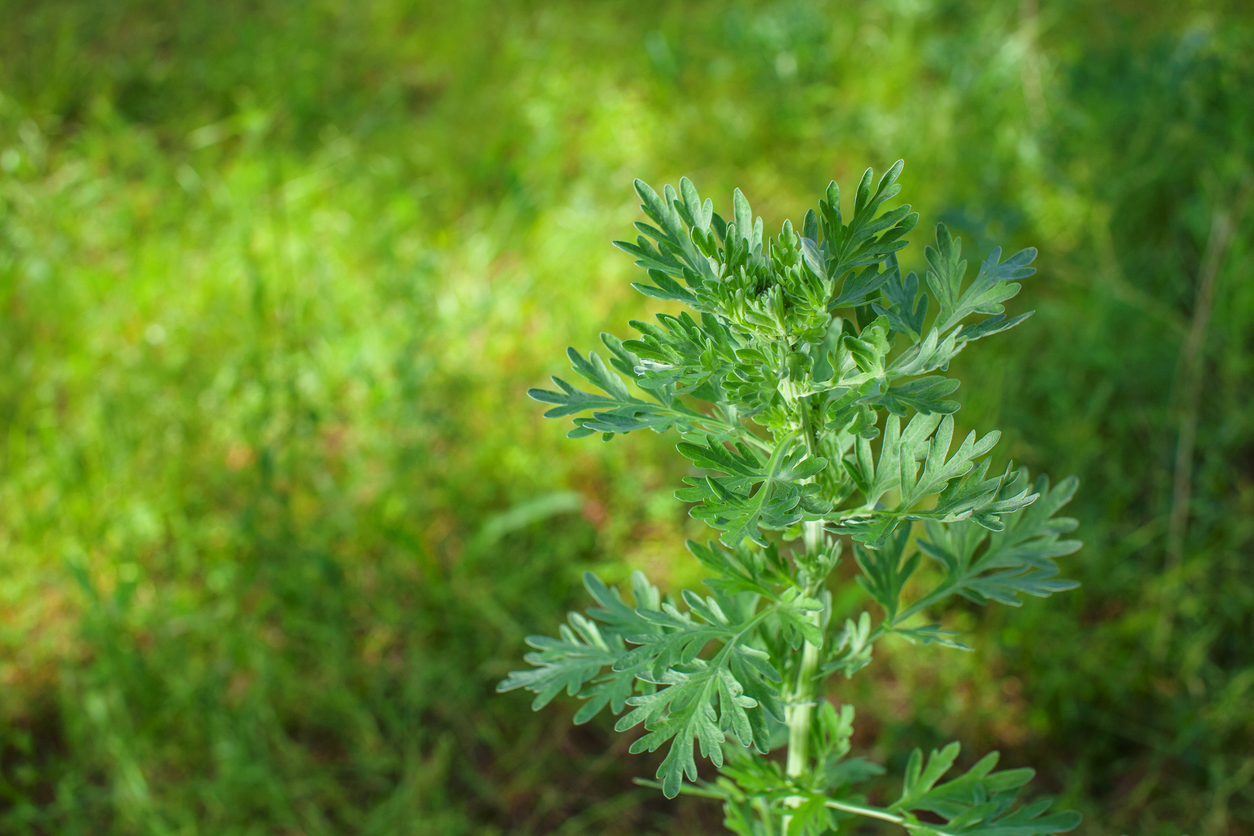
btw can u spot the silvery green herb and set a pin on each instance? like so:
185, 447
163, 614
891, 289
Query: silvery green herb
808, 390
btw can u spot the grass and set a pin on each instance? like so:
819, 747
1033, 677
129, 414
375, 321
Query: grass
275, 515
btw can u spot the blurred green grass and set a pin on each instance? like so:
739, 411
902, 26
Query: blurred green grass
275, 514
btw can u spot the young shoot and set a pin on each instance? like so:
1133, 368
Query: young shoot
808, 388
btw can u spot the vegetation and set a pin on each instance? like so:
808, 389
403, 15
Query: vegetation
272, 518
804, 339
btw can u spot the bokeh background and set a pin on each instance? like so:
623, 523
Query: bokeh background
275, 514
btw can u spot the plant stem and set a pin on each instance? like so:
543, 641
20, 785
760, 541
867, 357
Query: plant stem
869, 812
800, 710
801, 706
877, 813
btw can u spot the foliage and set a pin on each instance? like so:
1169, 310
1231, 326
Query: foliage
795, 372
272, 278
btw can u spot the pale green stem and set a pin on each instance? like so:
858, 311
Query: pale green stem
877, 813
799, 712
800, 708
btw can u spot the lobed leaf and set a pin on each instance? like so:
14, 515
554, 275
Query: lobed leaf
980, 802
1018, 560
783, 497
995, 282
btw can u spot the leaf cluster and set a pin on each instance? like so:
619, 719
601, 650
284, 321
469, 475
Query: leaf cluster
807, 382
650, 659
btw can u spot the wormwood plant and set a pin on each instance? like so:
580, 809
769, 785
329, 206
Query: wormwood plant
807, 393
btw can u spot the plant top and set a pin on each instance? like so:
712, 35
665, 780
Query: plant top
808, 389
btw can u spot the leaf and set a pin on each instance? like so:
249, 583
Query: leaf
993, 325
665, 288
939, 468
761, 682
831, 732
698, 702
695, 214
783, 495
673, 239
946, 271
813, 256
924, 394
664, 680
614, 412
983, 501
932, 634
1019, 560
869, 238
918, 780
676, 638
616, 613
851, 771
980, 802
958, 479
876, 478
681, 353
928, 355
810, 818
753, 570
576, 661
617, 411
883, 572
563, 663
746, 227
830, 736
685, 711
858, 287
797, 619
742, 461
904, 307
651, 258
994, 283
852, 651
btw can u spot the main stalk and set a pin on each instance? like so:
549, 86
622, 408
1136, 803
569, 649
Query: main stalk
800, 708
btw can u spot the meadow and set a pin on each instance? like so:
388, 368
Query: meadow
276, 514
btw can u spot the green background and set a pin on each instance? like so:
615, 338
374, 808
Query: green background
275, 514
